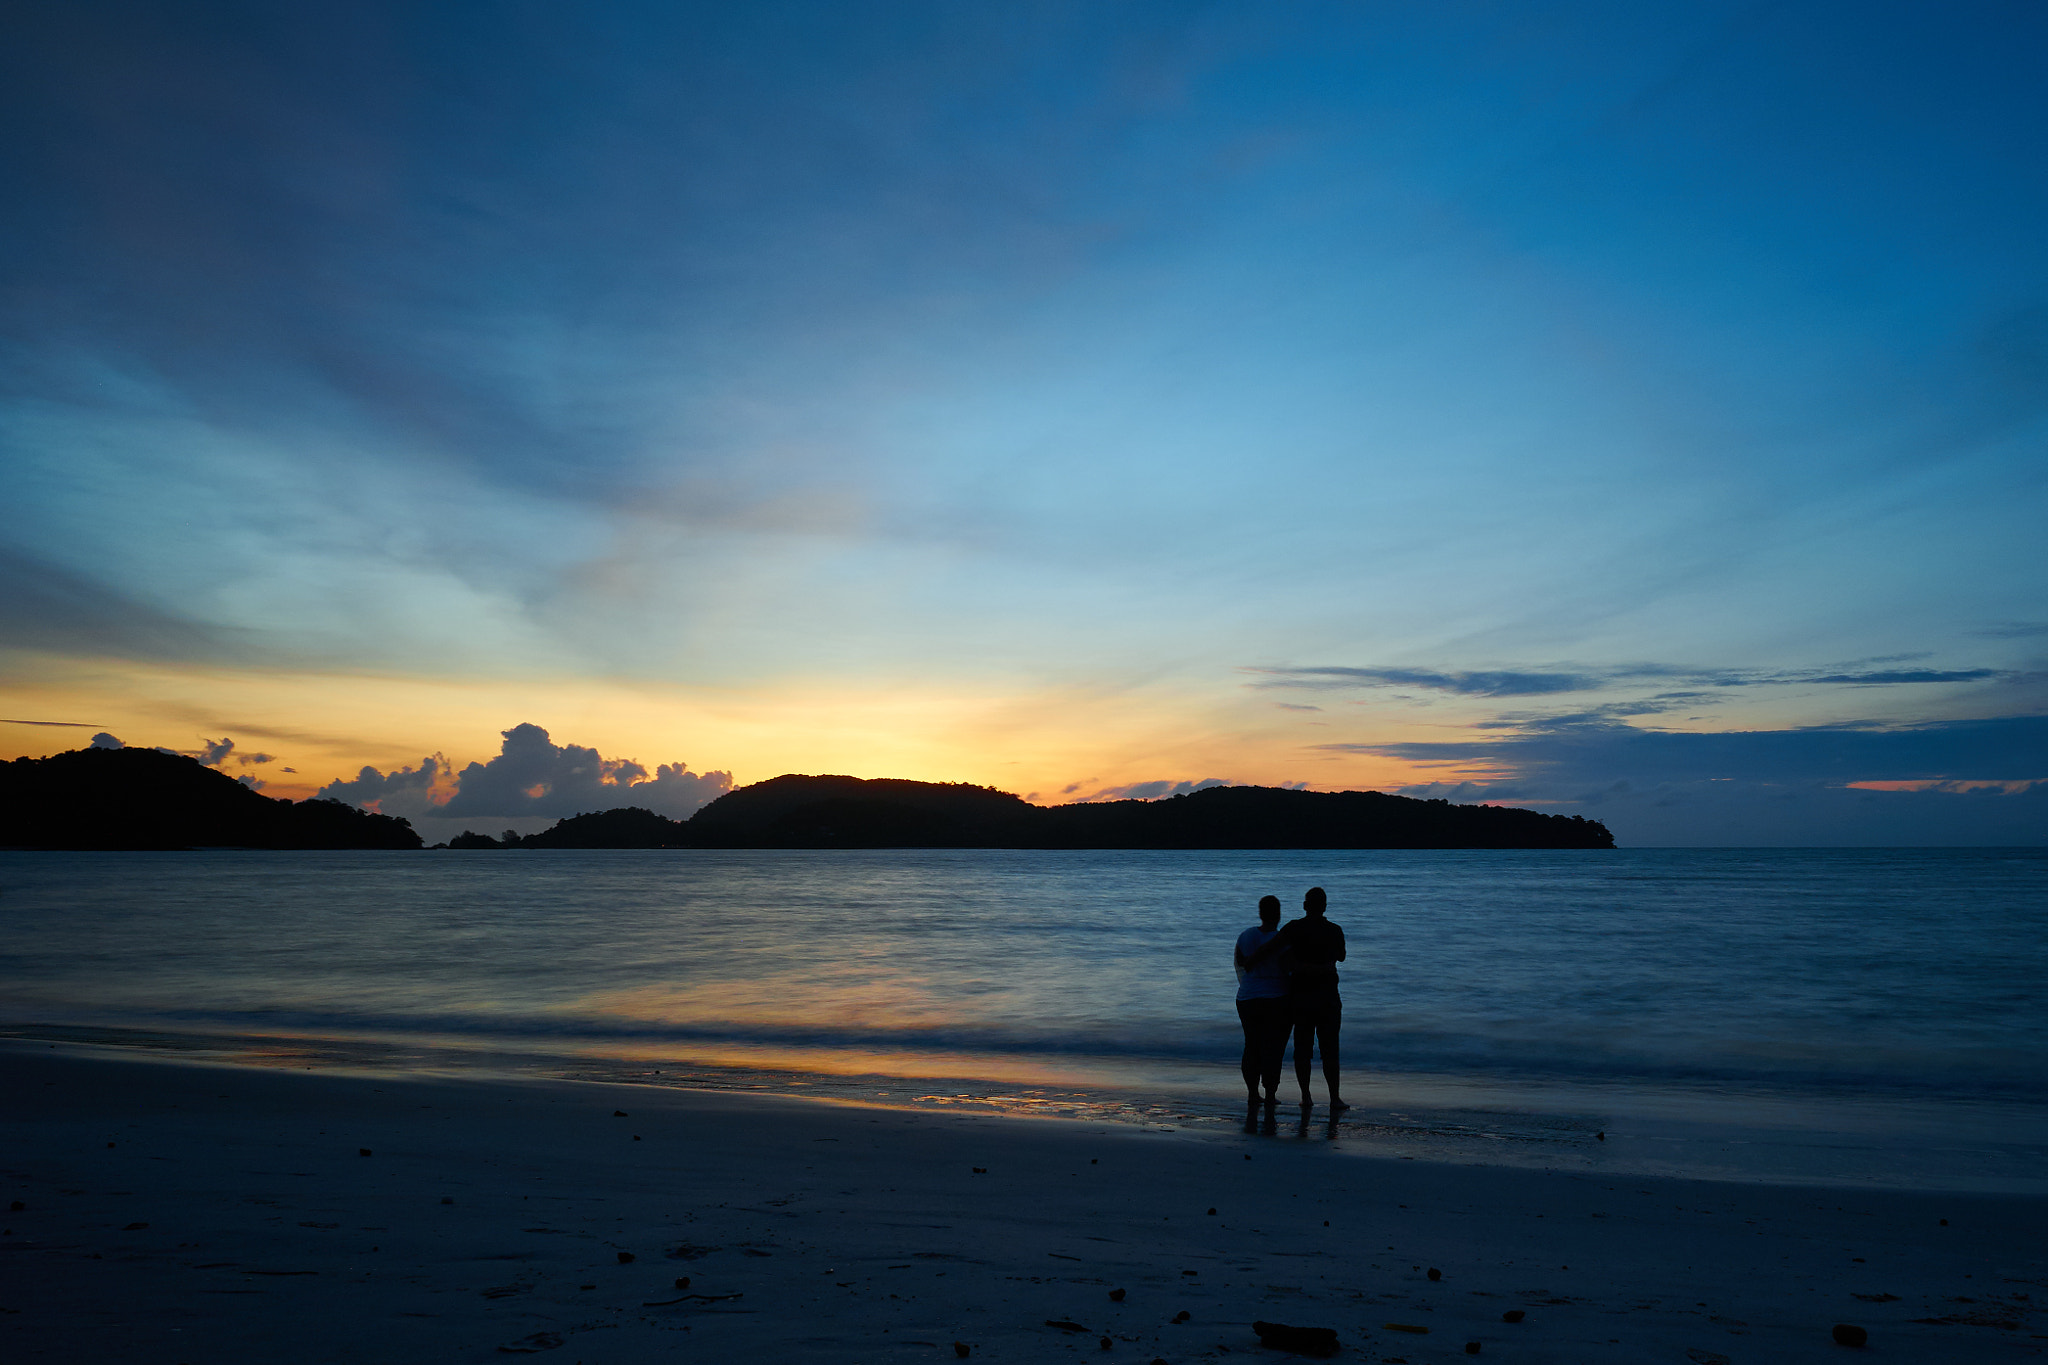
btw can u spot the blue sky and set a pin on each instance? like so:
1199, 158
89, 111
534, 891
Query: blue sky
1065, 397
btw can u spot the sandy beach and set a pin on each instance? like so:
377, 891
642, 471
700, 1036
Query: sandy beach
175, 1212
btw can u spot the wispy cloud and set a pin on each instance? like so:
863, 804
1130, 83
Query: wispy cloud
1566, 759
66, 724
1548, 682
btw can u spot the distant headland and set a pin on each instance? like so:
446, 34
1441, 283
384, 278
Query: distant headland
146, 799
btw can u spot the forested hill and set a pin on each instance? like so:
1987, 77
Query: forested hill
850, 812
147, 799
847, 812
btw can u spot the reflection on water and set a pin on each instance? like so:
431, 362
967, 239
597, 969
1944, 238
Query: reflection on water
1500, 1005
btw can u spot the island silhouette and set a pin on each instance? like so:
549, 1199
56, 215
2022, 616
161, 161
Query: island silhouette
147, 799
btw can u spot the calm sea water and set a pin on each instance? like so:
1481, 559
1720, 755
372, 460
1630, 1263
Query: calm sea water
1507, 996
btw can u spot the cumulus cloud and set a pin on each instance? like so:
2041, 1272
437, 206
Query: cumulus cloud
402, 791
531, 776
103, 740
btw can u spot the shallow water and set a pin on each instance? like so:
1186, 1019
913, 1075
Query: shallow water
1492, 997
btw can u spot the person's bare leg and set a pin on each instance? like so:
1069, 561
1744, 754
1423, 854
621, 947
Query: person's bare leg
1304, 1056
1329, 1044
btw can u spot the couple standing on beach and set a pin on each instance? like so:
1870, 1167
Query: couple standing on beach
1287, 983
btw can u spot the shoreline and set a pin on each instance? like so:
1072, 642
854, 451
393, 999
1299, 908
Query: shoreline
205, 1211
1752, 1136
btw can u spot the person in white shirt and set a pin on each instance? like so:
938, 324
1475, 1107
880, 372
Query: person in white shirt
1263, 1006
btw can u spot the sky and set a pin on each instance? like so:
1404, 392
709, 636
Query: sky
1629, 411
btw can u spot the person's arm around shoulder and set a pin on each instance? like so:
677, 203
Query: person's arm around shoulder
1279, 942
1340, 941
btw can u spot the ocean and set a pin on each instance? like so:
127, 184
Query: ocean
1816, 1015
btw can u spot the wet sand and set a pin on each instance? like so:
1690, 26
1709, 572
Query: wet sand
175, 1211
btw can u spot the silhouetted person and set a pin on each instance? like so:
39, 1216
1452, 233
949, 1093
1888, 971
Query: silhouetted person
1314, 946
1263, 1007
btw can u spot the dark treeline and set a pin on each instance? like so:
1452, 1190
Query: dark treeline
147, 799
850, 812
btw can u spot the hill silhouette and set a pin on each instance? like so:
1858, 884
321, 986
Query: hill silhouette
795, 811
147, 799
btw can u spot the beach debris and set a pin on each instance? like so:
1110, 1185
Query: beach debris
618, 1113
1513, 1315
586, 1286
1191, 1272
137, 1227
1599, 1137
979, 1170
1944, 1222
1065, 1324
1435, 1274
625, 1258
1848, 1334
961, 1348
1116, 1296
636, 1137
1182, 1316
1471, 1348
700, 1298
683, 1251
751, 1251
1699, 1357
1307, 1341
447, 1198
1212, 1213
1405, 1327
504, 1291
538, 1342
303, 1225
1876, 1298
1105, 1343
17, 1206
683, 1281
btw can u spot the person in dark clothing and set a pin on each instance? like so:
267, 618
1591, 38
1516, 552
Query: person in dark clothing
1314, 946
1263, 1007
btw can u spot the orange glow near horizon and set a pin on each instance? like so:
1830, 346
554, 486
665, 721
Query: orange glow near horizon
1035, 743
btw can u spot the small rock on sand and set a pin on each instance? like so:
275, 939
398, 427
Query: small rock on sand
1847, 1334
1435, 1274
625, 1258
1513, 1315
961, 1348
1116, 1296
362, 1151
1308, 1341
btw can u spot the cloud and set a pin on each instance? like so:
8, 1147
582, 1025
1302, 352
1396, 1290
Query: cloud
1566, 758
1295, 706
1917, 675
45, 607
531, 776
103, 740
1538, 683
1741, 813
402, 791
65, 724
2013, 630
1155, 791
1495, 684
